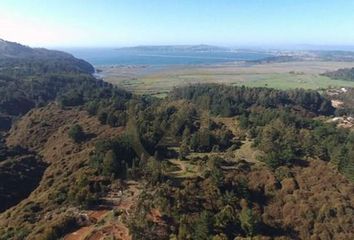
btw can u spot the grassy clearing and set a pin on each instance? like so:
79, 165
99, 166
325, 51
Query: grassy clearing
290, 81
191, 167
195, 163
247, 152
186, 169
160, 85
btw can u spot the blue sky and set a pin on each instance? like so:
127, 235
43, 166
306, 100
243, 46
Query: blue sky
107, 23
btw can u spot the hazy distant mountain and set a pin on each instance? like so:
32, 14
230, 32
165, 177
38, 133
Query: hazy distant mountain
16, 50
11, 49
177, 48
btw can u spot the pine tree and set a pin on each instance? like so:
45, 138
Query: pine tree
203, 227
110, 165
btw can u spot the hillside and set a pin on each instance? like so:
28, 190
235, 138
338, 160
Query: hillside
66, 161
82, 159
256, 191
19, 59
31, 78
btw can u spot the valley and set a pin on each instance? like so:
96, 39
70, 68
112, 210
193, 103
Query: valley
203, 160
176, 120
281, 75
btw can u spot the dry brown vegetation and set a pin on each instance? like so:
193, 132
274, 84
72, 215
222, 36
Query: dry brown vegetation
307, 200
46, 131
315, 200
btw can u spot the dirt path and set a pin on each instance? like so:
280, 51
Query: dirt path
112, 227
229, 122
247, 153
79, 234
83, 232
182, 167
186, 169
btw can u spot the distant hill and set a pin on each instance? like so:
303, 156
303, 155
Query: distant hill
335, 55
31, 77
177, 48
18, 58
277, 59
16, 50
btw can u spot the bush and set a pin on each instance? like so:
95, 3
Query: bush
249, 221
102, 117
76, 133
60, 228
72, 98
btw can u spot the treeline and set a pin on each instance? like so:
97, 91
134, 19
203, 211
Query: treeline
42, 65
17, 97
163, 124
346, 74
230, 101
287, 138
99, 98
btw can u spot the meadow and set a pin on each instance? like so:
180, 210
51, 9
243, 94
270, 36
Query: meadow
285, 75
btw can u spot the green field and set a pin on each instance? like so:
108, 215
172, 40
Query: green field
305, 74
288, 81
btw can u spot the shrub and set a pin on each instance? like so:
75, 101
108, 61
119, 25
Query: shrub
76, 133
248, 221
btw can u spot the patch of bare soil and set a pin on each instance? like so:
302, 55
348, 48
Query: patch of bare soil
79, 234
155, 216
337, 103
113, 227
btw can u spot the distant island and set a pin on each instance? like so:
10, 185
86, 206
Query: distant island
177, 48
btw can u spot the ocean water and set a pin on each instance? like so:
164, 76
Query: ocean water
105, 56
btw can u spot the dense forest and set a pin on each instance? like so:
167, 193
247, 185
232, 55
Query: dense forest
229, 101
32, 77
207, 162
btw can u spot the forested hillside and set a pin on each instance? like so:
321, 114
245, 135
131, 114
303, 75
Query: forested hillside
82, 159
341, 74
32, 77
19, 60
231, 101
